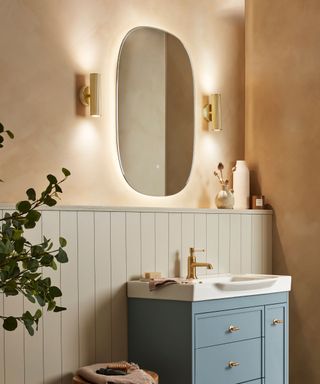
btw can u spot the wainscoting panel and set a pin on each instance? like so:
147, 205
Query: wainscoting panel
34, 346
107, 247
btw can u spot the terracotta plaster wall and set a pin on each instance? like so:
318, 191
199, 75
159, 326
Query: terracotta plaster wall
282, 147
45, 44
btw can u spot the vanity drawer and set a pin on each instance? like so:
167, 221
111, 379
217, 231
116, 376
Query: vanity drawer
212, 364
228, 326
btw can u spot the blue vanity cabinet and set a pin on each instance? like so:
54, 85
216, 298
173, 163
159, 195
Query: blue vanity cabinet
225, 341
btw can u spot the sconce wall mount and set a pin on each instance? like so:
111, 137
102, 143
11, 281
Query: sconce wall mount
90, 95
212, 112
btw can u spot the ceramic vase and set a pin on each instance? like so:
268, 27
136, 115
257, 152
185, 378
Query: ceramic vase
224, 198
241, 185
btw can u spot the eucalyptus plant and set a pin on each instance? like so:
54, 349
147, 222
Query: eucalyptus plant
23, 264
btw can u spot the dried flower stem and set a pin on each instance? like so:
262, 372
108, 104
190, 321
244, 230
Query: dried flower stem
220, 177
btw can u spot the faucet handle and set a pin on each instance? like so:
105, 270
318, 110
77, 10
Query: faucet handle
193, 250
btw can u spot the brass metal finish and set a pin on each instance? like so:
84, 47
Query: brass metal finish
192, 264
233, 364
233, 328
90, 95
85, 95
277, 321
212, 112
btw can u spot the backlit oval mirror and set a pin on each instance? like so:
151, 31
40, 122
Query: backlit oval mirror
155, 112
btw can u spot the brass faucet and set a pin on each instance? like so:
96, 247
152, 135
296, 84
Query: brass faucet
192, 264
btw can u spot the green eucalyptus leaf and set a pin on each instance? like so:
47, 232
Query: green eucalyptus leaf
40, 300
30, 298
30, 224
58, 188
53, 265
66, 172
33, 215
62, 256
1, 139
29, 329
46, 281
3, 248
55, 292
31, 193
1, 128
52, 179
23, 206
49, 201
10, 134
33, 265
27, 316
36, 251
38, 314
33, 276
10, 323
19, 245
62, 241
47, 191
59, 309
51, 305
46, 259
10, 291
28, 322
3, 275
16, 234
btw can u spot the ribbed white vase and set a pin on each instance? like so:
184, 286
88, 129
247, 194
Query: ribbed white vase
241, 185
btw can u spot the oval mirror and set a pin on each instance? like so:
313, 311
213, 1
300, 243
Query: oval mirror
155, 112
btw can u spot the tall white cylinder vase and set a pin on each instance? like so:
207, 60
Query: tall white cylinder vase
241, 185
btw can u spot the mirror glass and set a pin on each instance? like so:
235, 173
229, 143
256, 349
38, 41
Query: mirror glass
155, 112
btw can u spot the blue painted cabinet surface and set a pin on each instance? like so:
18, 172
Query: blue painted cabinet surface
276, 325
227, 341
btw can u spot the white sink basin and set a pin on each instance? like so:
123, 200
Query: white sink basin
245, 282
215, 287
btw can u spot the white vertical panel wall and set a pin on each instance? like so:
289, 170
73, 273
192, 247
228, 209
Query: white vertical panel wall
107, 247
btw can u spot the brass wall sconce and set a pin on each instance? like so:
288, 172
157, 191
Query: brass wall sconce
212, 112
90, 95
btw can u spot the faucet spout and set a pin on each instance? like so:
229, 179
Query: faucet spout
207, 265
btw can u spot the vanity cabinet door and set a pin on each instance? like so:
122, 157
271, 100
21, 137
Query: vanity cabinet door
276, 344
231, 363
228, 326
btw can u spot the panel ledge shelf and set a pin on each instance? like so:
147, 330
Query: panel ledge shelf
102, 208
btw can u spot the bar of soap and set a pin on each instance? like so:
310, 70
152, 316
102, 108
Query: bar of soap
152, 275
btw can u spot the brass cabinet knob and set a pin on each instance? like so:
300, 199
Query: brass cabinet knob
233, 364
277, 321
233, 328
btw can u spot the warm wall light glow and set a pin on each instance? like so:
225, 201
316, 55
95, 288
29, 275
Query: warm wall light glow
85, 55
209, 74
209, 149
86, 138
